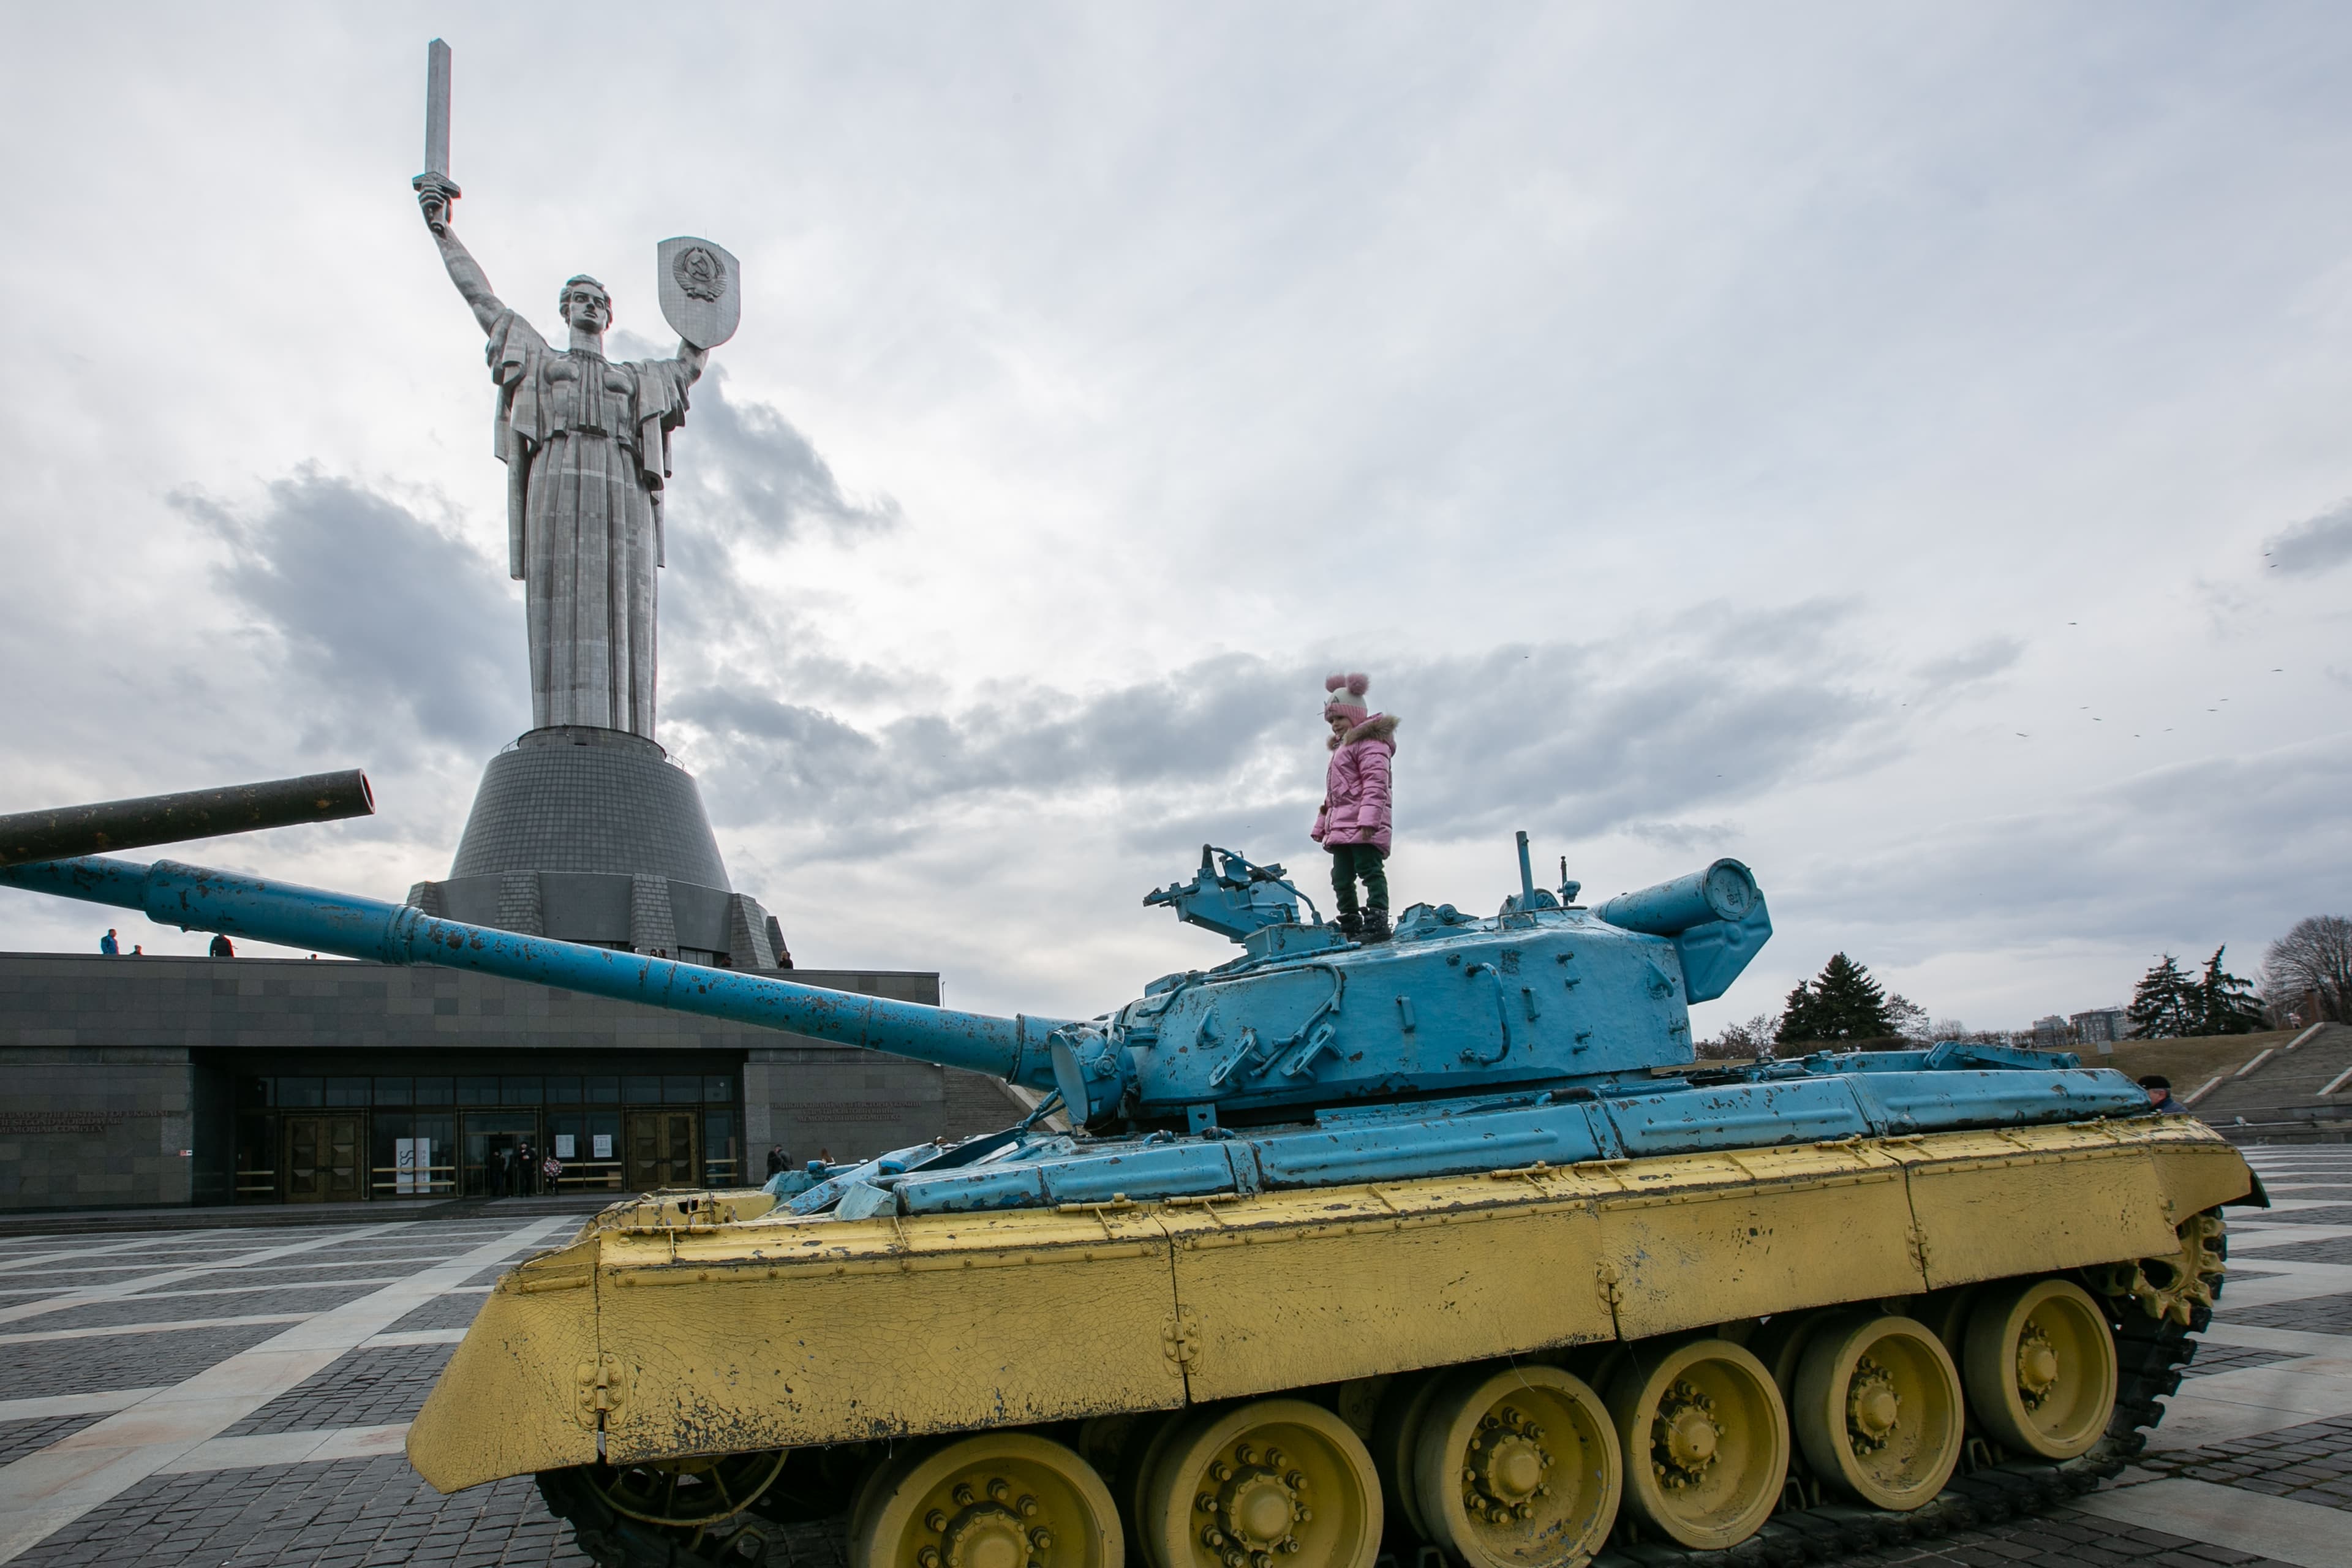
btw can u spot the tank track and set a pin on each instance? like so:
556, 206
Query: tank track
2150, 1354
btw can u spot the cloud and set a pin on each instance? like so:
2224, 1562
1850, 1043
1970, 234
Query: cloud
1971, 665
2315, 545
374, 614
1571, 741
2232, 832
748, 482
754, 478
748, 476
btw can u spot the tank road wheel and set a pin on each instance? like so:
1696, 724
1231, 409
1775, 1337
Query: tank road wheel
1877, 1409
1272, 1481
2040, 1367
686, 1492
993, 1500
1518, 1469
1706, 1439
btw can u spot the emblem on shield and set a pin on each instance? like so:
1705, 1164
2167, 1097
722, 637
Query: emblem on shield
701, 290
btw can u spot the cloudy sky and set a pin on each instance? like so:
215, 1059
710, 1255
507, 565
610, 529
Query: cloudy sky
1907, 449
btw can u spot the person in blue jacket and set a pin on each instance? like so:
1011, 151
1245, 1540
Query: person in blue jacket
108, 945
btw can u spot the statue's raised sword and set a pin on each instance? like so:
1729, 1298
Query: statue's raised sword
435, 177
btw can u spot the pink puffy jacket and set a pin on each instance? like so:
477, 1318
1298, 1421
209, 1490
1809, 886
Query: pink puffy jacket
1356, 787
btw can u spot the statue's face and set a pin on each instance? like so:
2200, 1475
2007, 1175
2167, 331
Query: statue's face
587, 309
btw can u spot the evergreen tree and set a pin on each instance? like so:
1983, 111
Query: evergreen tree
1842, 1003
1797, 1015
2225, 1005
2164, 1005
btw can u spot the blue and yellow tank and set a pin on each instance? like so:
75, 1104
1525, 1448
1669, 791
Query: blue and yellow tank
1331, 1251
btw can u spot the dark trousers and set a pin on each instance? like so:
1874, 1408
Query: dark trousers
1351, 862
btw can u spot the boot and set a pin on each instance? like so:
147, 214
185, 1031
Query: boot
1376, 924
1351, 925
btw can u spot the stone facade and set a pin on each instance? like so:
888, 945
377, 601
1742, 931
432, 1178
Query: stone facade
110, 1067
84, 1126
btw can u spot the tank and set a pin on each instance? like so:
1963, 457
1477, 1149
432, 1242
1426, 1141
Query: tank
1443, 1248
31, 836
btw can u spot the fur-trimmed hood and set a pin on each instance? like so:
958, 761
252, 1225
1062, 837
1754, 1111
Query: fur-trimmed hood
1379, 727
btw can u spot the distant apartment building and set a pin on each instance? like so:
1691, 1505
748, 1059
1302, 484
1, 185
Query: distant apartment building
2100, 1026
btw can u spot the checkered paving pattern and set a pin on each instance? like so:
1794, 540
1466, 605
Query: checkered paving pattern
358, 1513
2252, 1419
370, 1387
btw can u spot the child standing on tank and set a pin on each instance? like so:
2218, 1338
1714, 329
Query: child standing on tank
1354, 822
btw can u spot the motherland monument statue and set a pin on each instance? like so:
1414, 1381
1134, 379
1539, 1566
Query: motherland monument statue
586, 441
584, 829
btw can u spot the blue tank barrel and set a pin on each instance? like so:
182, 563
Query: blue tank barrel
31, 836
1724, 891
196, 899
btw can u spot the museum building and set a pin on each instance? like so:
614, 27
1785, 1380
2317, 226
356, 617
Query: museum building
138, 1081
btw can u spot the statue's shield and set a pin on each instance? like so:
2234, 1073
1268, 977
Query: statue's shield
701, 290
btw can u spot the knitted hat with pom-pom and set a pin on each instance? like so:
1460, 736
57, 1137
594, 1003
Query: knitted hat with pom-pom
1346, 698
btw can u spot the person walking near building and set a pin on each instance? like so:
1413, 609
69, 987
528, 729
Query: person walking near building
1354, 823
778, 1161
494, 1172
108, 945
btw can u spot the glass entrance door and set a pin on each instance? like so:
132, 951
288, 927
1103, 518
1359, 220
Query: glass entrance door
661, 1149
494, 1141
322, 1160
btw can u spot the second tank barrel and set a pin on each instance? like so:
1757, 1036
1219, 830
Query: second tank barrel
27, 836
1724, 891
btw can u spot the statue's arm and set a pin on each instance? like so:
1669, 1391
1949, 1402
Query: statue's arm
694, 359
464, 270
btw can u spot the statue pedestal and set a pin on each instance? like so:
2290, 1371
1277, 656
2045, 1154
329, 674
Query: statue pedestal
595, 836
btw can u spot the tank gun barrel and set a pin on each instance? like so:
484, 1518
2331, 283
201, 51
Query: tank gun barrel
196, 899
27, 836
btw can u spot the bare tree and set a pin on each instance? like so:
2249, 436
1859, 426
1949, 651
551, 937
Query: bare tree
1740, 1042
1910, 1019
2310, 964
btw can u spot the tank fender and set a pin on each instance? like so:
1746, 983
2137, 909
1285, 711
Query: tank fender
1900, 1102
1556, 1136
1784, 1111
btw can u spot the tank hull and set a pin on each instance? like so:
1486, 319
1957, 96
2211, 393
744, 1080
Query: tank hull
719, 1325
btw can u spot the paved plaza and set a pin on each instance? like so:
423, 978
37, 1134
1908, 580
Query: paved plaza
239, 1397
